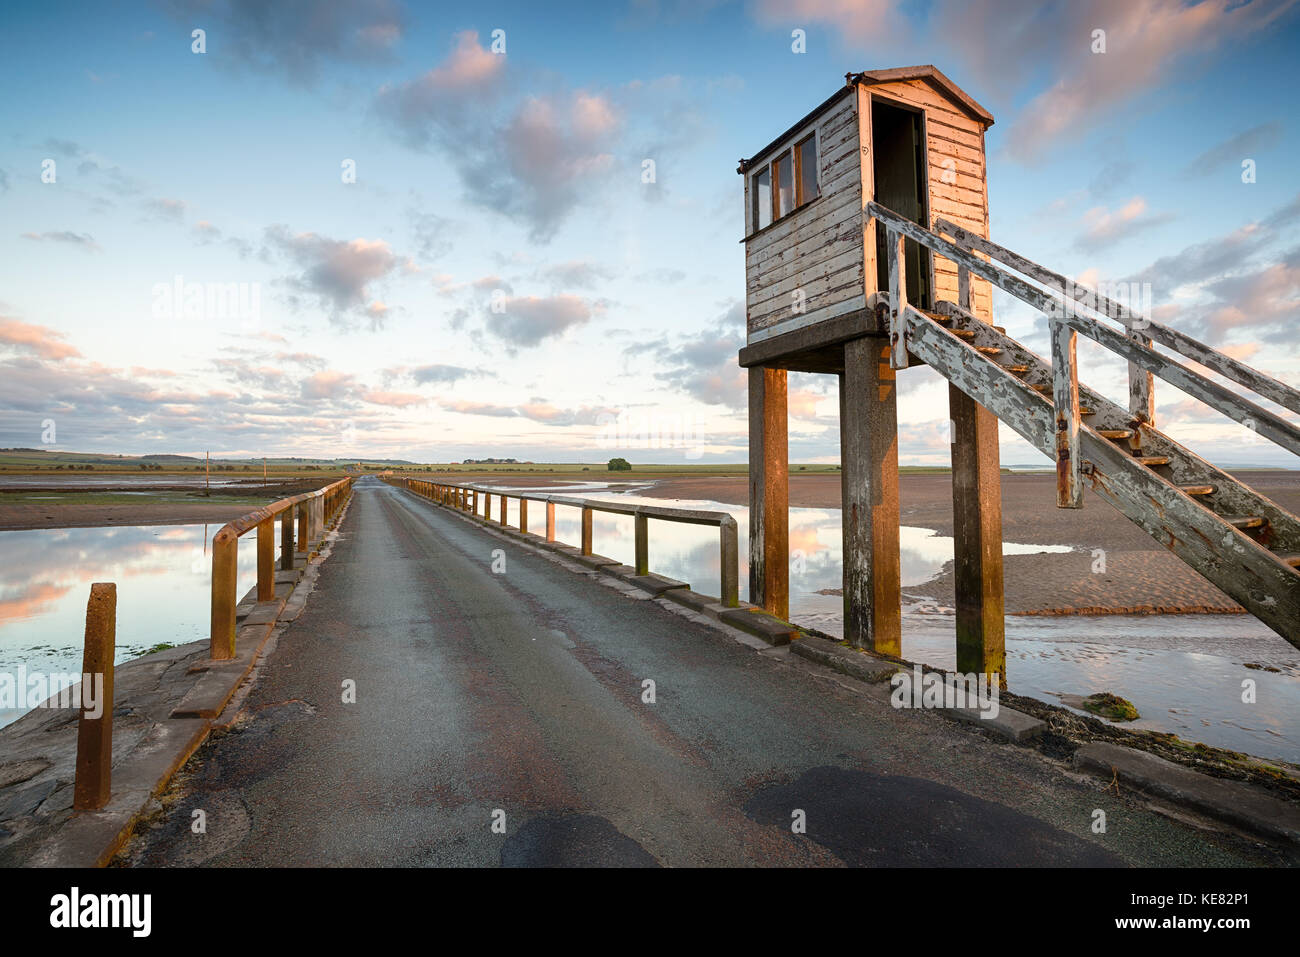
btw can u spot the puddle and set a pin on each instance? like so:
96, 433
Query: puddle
163, 576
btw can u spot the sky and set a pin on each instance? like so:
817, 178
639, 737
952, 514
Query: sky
430, 231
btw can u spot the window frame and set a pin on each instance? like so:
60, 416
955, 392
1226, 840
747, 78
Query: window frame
758, 199
776, 164
799, 199
788, 154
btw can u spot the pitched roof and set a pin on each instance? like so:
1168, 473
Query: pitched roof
932, 75
926, 72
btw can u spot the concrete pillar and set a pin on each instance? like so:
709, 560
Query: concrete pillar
869, 491
769, 492
977, 537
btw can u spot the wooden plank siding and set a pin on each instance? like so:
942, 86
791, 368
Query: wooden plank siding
818, 247
823, 249
955, 151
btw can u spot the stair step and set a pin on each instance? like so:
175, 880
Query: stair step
1150, 460
1115, 433
1292, 559
963, 333
1244, 521
1047, 390
1017, 370
989, 350
1197, 489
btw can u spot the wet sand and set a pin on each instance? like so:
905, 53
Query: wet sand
1140, 576
218, 510
54, 515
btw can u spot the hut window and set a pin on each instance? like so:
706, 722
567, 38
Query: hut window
783, 175
762, 189
805, 160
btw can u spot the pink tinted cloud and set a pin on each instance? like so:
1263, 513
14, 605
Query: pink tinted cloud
397, 400
40, 340
469, 66
329, 384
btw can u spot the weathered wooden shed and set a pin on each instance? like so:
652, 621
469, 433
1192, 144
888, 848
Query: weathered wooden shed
913, 141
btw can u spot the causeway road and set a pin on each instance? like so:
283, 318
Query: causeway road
500, 718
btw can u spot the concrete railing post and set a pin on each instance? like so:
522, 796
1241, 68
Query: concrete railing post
550, 521
225, 558
286, 538
92, 784
266, 559
642, 525
586, 530
729, 554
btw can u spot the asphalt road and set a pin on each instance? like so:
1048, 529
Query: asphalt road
516, 700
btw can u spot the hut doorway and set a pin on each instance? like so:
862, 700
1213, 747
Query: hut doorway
900, 177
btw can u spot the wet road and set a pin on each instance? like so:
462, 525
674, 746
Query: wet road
500, 719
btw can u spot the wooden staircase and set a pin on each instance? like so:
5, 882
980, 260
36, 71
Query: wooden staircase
1241, 541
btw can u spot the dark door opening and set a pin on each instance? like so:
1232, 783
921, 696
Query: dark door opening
899, 173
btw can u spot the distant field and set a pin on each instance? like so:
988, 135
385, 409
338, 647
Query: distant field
129, 498
638, 471
35, 462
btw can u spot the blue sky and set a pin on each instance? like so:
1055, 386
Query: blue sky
518, 175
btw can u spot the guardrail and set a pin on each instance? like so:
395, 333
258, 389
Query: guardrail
465, 498
312, 511
1065, 304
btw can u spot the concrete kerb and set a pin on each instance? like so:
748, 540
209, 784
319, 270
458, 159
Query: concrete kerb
752, 626
1231, 802
91, 839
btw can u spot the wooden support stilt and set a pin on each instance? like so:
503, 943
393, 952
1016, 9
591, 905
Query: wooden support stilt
869, 481
977, 537
769, 492
977, 527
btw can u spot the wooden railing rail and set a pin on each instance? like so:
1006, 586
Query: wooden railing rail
1141, 327
1065, 320
313, 512
465, 498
